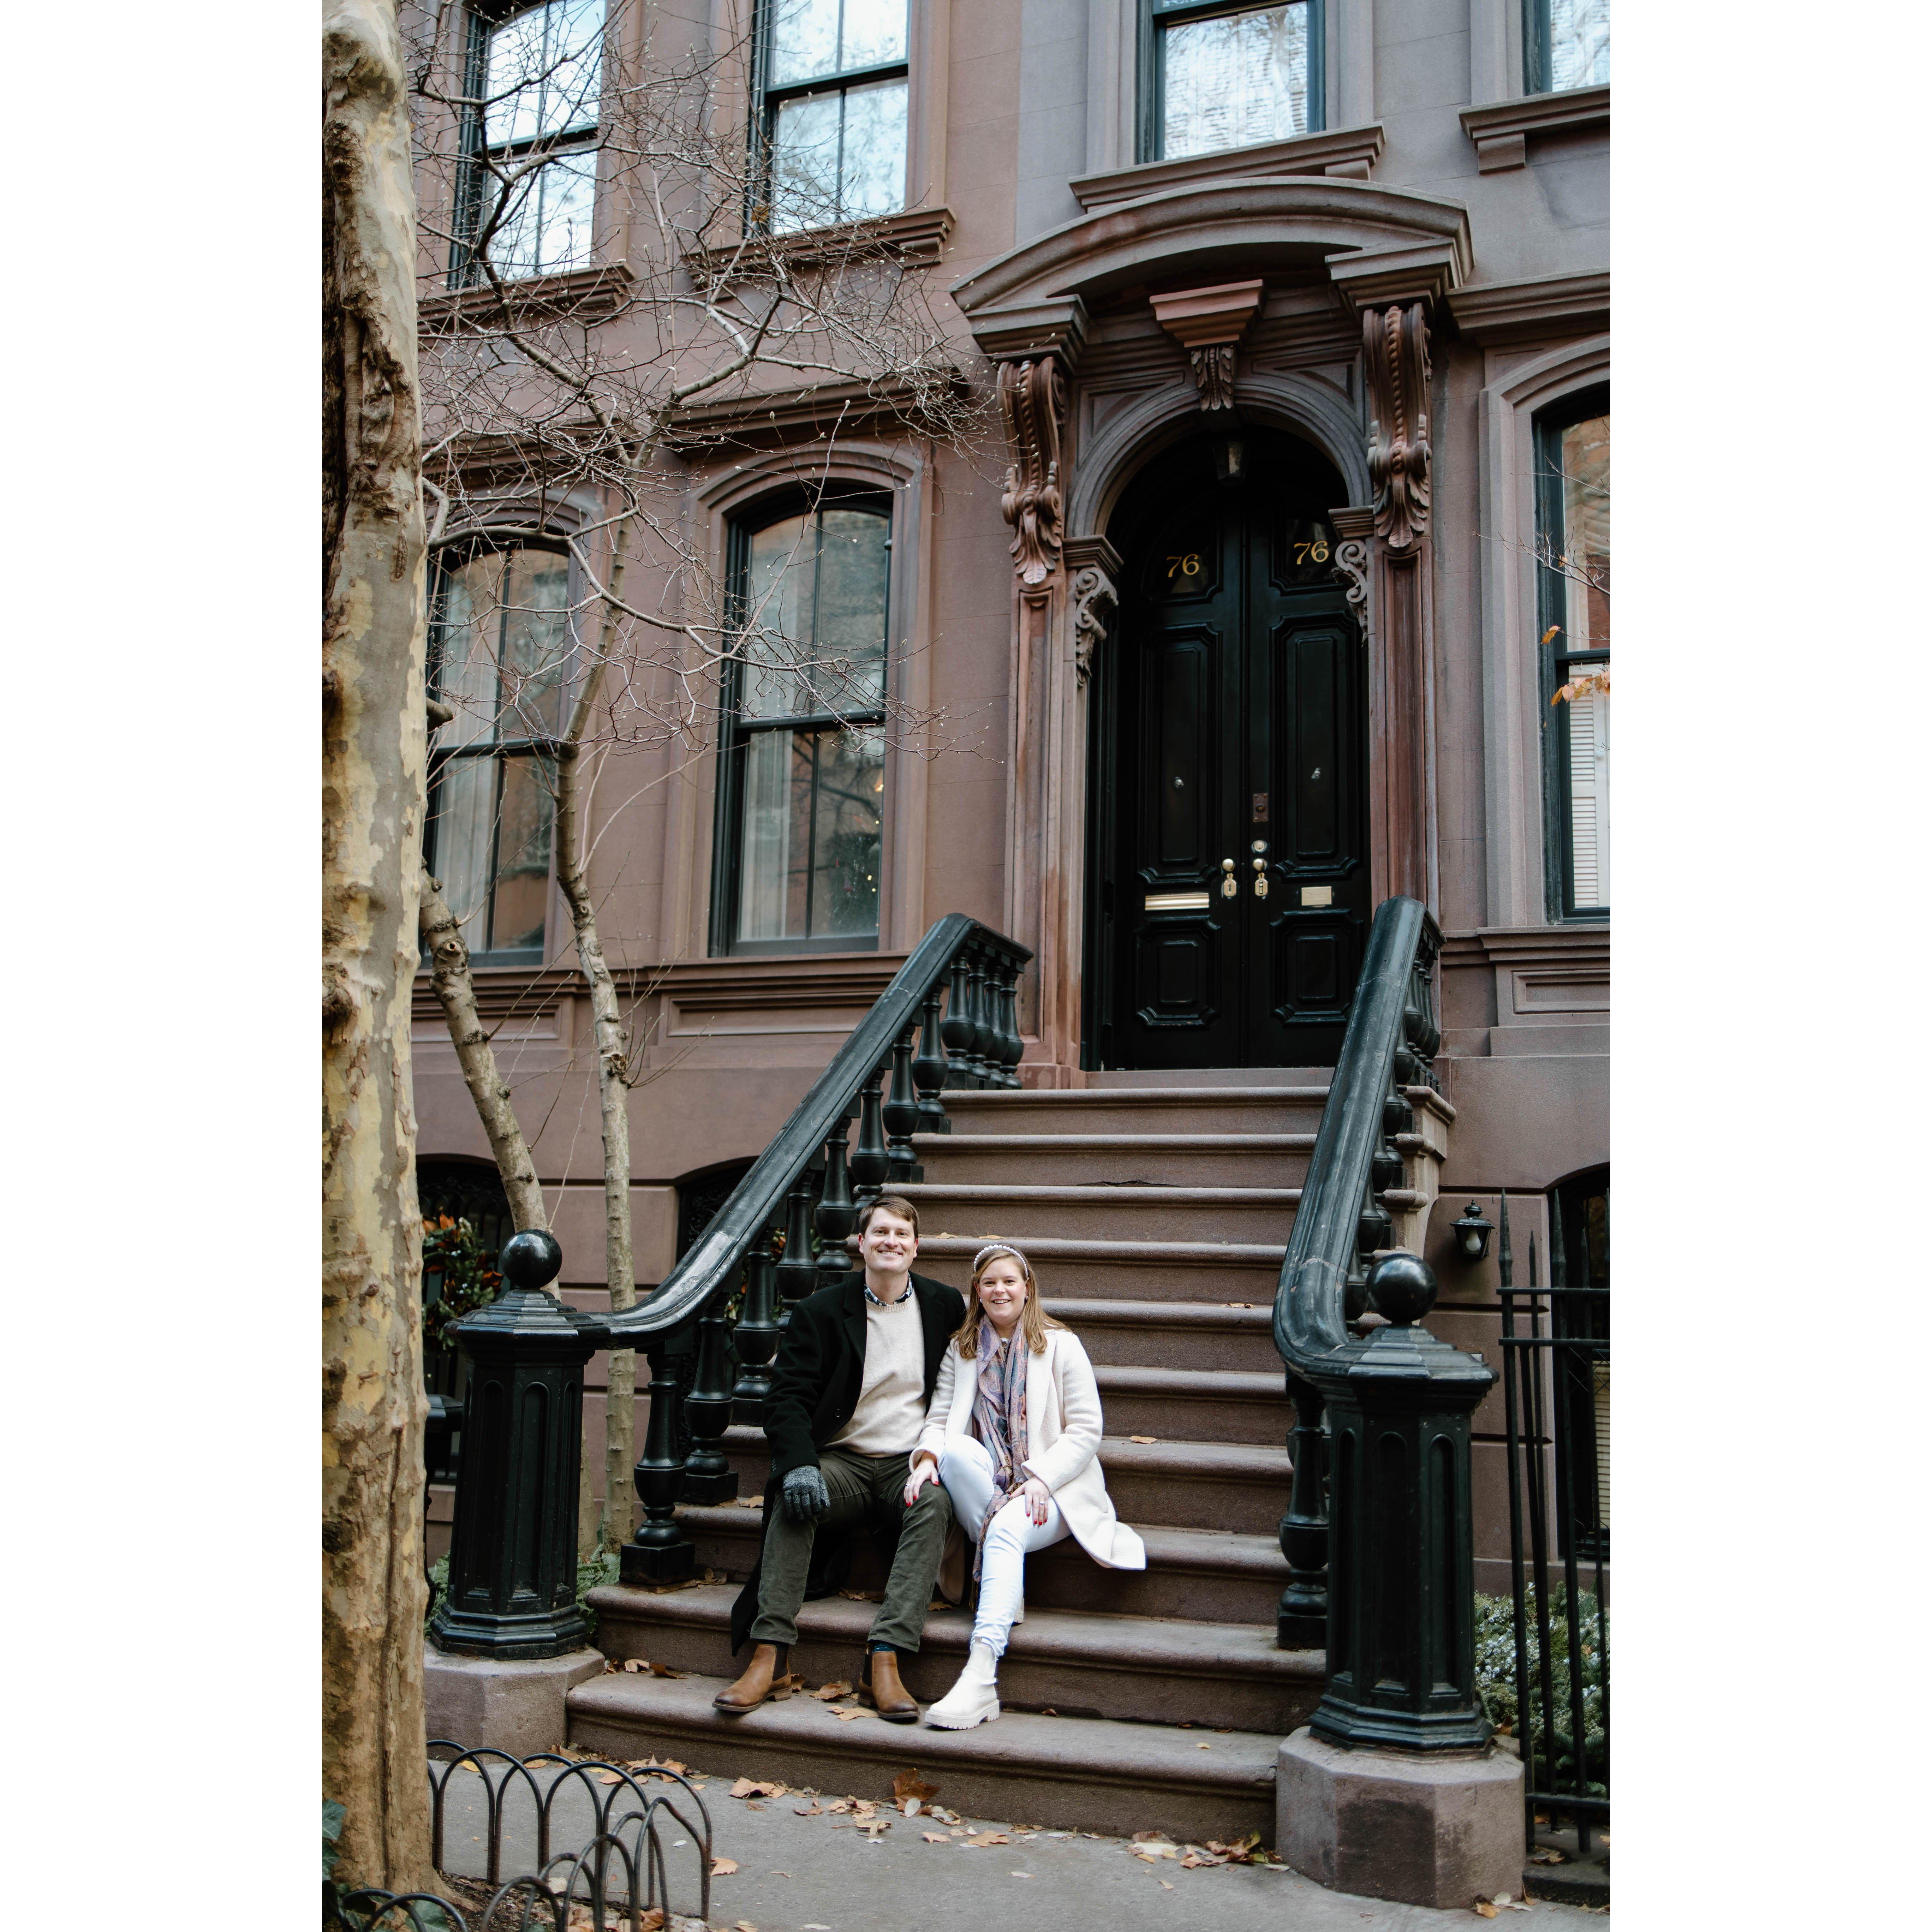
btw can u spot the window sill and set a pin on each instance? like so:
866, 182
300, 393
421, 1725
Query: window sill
916, 236
1350, 153
584, 294
1503, 131
775, 418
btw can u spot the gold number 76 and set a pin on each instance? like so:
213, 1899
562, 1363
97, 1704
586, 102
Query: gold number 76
1189, 566
1318, 551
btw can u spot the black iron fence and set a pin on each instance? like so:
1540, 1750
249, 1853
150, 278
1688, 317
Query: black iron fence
617, 1879
1556, 1364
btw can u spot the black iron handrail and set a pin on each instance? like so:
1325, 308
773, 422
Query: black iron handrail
1340, 1224
713, 1260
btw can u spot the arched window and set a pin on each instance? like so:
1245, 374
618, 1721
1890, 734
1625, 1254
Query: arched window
499, 644
801, 783
1572, 556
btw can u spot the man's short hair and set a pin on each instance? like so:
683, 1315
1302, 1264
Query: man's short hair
893, 1204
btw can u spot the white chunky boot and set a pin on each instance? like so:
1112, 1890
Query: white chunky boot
974, 1700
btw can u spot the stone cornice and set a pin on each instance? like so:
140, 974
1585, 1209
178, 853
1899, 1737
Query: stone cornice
916, 236
1352, 152
1379, 278
1242, 226
1502, 130
767, 417
1057, 327
1520, 311
584, 294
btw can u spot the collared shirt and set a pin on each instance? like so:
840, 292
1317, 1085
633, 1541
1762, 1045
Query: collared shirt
891, 1408
896, 1299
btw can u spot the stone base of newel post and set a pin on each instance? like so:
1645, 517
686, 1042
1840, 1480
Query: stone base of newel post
1437, 1830
509, 1704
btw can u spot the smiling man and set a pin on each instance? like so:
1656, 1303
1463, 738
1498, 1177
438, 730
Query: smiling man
855, 1370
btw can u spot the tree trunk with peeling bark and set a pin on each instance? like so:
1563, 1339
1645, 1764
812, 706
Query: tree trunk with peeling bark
374, 1592
614, 1081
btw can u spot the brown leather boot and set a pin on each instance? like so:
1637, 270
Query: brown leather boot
890, 1698
766, 1666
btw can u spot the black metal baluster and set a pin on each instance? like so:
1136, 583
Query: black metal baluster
871, 1160
1301, 1621
1536, 1764
1011, 1046
929, 1069
1513, 1451
797, 1274
978, 1003
900, 1112
708, 1476
835, 1215
756, 1336
956, 1030
659, 1552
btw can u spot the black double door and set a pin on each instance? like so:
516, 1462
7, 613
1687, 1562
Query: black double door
1238, 884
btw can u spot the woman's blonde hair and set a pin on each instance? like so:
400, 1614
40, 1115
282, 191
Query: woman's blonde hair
1034, 1320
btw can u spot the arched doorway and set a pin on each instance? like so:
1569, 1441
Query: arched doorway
1229, 819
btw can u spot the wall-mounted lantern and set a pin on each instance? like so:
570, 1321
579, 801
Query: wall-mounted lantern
1472, 1234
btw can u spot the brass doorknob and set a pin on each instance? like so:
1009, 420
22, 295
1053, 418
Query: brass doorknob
1228, 888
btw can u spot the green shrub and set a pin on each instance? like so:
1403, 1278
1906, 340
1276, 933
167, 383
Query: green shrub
1495, 1683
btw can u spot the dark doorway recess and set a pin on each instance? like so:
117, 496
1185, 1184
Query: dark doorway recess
1228, 743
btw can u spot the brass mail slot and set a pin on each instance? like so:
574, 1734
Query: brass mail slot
1175, 902
1318, 895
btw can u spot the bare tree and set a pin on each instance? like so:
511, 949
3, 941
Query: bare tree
373, 1590
609, 272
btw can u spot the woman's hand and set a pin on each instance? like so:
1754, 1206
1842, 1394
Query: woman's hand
1039, 1499
924, 1470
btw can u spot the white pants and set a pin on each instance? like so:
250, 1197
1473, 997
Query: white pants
966, 1469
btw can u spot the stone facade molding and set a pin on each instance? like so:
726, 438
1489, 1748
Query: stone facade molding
1208, 322
1503, 131
1395, 357
1341, 152
1032, 403
1501, 312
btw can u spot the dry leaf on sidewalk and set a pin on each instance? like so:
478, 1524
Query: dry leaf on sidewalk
1143, 1438
935, 1837
750, 1787
723, 1867
989, 1838
910, 1784
610, 1778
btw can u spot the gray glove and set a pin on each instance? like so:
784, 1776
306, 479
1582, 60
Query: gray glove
804, 1495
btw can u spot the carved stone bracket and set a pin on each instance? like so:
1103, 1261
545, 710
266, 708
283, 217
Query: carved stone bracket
1395, 342
1208, 323
1033, 401
1353, 528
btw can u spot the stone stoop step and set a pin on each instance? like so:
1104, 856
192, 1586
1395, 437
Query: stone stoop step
1023, 1212
1061, 1773
1213, 1575
1078, 1663
1124, 1110
1206, 1271
1116, 1160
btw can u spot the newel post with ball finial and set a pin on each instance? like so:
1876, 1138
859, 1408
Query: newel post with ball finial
513, 1546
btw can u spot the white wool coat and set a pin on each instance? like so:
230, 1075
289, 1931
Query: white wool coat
1063, 1439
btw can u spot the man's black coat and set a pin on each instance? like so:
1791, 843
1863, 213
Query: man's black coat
815, 1381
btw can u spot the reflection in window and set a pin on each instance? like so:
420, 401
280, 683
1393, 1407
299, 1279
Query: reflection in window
1566, 43
536, 78
1574, 559
1232, 78
500, 649
805, 753
835, 110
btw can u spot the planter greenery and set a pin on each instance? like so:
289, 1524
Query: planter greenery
1495, 1684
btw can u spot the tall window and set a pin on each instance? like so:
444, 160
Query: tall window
529, 175
1573, 487
802, 774
499, 651
1565, 43
833, 103
1224, 76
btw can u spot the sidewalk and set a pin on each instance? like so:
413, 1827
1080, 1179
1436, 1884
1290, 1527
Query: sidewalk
824, 1874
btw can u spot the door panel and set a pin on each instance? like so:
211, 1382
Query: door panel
1238, 697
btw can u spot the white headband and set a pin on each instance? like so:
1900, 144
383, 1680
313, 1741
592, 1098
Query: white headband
993, 1248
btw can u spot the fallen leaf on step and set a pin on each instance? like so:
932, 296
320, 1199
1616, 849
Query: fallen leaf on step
610, 1778
1204, 1747
872, 1827
1165, 1886
636, 1663
750, 1787
1143, 1438
910, 1784
665, 1670
723, 1867
1237, 1304
935, 1837
843, 1804
984, 1838
826, 1692
863, 1808
813, 1811
848, 1713
744, 1925
1484, 1909
1546, 1854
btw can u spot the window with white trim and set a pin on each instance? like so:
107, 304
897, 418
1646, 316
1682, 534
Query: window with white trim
1566, 43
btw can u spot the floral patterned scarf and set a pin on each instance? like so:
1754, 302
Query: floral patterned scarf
1000, 1420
